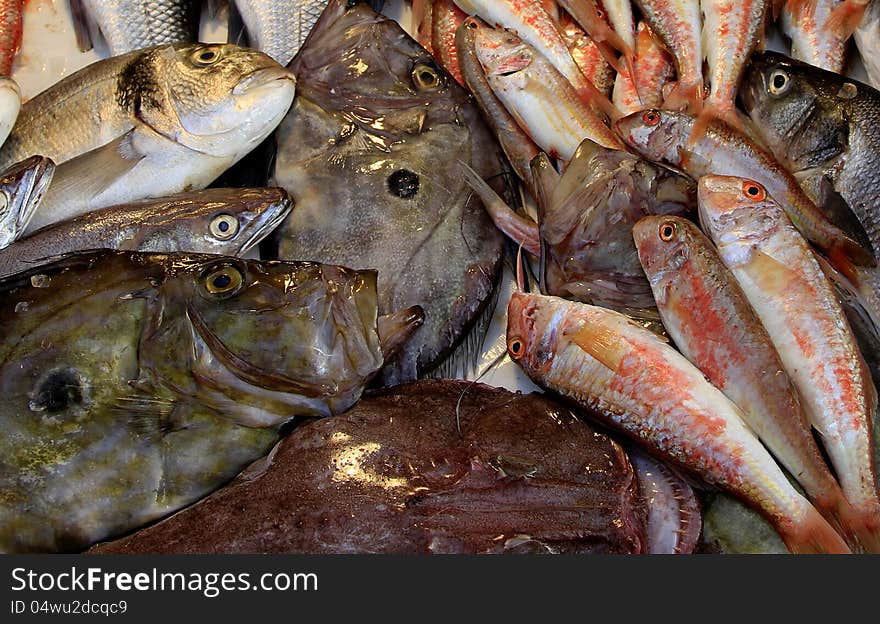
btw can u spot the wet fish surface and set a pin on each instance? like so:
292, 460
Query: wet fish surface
358, 152
22, 187
129, 25
396, 475
150, 123
136, 383
226, 222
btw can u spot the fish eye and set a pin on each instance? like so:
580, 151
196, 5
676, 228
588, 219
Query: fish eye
425, 77
224, 226
780, 82
515, 348
225, 280
667, 231
206, 56
651, 117
600, 13
753, 190
472, 24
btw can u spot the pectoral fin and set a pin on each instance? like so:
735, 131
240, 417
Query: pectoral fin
600, 343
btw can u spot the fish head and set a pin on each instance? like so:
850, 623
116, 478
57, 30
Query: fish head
218, 99
663, 246
534, 327
22, 187
501, 53
656, 134
237, 226
778, 97
267, 338
736, 210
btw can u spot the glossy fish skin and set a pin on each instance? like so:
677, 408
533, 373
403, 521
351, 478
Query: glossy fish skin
812, 41
678, 24
444, 24
516, 143
586, 226
797, 305
634, 382
538, 96
867, 38
588, 57
147, 124
11, 14
732, 29
129, 25
395, 475
709, 318
208, 356
363, 137
22, 187
226, 222
662, 136
10, 105
653, 69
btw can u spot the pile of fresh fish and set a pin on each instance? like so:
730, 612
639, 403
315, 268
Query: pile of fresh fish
226, 264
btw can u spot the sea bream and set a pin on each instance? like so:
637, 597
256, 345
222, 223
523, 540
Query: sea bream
149, 123
358, 153
227, 222
134, 384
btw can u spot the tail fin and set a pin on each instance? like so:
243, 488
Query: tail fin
685, 97
799, 9
713, 111
844, 20
864, 525
813, 536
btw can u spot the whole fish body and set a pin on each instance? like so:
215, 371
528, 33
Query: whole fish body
586, 226
822, 127
11, 22
358, 153
867, 38
516, 143
662, 136
129, 25
797, 305
395, 475
678, 23
22, 187
636, 383
711, 322
135, 383
539, 97
150, 123
220, 221
812, 41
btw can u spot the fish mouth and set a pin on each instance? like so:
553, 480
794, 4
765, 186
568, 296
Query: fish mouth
265, 77
27, 184
267, 227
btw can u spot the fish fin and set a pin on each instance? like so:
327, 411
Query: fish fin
685, 97
712, 112
799, 9
91, 173
395, 329
601, 343
812, 535
769, 273
865, 528
845, 19
148, 416
523, 231
81, 24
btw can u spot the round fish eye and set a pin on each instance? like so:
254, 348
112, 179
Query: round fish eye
651, 117
425, 77
515, 348
224, 226
753, 190
206, 56
779, 83
472, 23
225, 280
600, 13
667, 231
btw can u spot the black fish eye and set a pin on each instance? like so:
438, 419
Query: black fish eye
206, 56
779, 82
404, 183
425, 77
224, 226
223, 281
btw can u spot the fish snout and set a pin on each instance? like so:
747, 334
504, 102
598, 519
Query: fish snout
277, 76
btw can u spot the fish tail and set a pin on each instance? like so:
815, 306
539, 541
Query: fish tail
685, 96
713, 111
864, 526
845, 253
812, 535
800, 9
844, 20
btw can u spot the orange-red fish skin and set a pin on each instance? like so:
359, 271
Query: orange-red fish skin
444, 23
11, 17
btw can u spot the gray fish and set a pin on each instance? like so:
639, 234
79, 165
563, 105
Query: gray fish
219, 221
280, 28
149, 123
22, 187
369, 153
823, 127
134, 384
129, 25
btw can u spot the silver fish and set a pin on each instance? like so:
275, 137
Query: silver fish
150, 123
22, 187
219, 221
